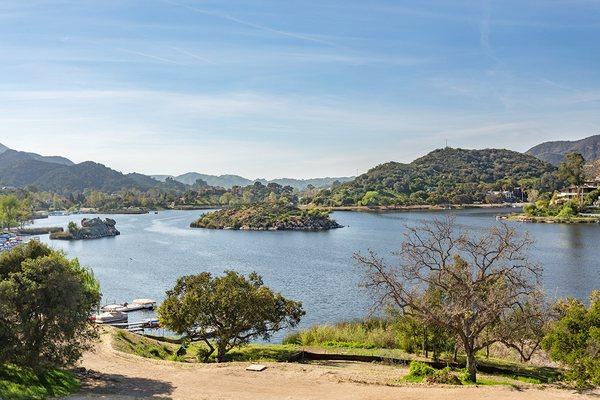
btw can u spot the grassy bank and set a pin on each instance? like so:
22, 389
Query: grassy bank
510, 372
18, 383
576, 219
150, 348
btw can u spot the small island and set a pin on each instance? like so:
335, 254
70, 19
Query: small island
94, 228
556, 211
267, 217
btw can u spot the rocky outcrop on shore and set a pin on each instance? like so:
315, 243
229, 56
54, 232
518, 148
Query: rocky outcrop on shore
267, 217
91, 228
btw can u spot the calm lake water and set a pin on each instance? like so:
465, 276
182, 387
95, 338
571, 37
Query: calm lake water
316, 268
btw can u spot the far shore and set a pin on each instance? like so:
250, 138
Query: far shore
389, 208
423, 207
580, 219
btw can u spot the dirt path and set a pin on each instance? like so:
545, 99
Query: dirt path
116, 375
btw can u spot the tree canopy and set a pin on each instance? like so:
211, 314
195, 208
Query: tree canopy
228, 310
45, 304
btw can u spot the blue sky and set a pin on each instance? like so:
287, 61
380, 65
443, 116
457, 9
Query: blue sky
276, 88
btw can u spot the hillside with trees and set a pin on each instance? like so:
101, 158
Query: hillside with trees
21, 169
444, 176
555, 152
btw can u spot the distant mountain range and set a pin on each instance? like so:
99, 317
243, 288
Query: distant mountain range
59, 174
50, 159
554, 152
20, 169
228, 181
439, 171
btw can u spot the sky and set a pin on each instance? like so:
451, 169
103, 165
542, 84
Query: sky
289, 88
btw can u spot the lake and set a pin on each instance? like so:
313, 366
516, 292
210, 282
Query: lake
316, 268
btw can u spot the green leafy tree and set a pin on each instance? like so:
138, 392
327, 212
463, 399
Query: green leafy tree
72, 227
575, 339
571, 170
371, 198
226, 311
9, 211
45, 305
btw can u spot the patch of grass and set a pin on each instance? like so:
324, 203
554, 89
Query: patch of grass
420, 372
370, 333
18, 383
150, 348
349, 345
262, 352
144, 347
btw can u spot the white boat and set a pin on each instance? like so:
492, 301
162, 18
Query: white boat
110, 317
135, 305
141, 304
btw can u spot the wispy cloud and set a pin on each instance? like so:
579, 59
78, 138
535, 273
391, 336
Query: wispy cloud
257, 130
150, 56
228, 17
485, 29
193, 55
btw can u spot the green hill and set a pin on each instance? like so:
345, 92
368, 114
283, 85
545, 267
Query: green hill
20, 169
444, 176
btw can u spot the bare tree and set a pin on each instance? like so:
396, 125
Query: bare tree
461, 282
524, 328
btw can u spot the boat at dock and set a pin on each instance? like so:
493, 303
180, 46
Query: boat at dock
110, 317
135, 305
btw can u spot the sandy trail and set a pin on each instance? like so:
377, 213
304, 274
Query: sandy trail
123, 376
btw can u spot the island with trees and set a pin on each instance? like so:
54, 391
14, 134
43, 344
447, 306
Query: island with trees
94, 228
267, 216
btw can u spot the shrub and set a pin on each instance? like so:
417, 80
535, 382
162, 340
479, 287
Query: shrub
418, 369
443, 376
575, 340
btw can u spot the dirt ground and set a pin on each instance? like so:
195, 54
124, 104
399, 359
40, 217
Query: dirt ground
114, 375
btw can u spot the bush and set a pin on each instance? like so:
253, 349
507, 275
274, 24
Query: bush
418, 369
575, 340
443, 376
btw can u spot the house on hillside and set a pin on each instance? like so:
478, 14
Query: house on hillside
506, 196
571, 192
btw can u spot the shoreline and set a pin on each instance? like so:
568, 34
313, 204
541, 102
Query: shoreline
549, 220
422, 207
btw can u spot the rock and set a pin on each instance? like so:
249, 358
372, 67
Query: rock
91, 228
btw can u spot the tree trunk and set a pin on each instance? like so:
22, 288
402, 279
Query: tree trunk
221, 351
425, 344
471, 365
211, 349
